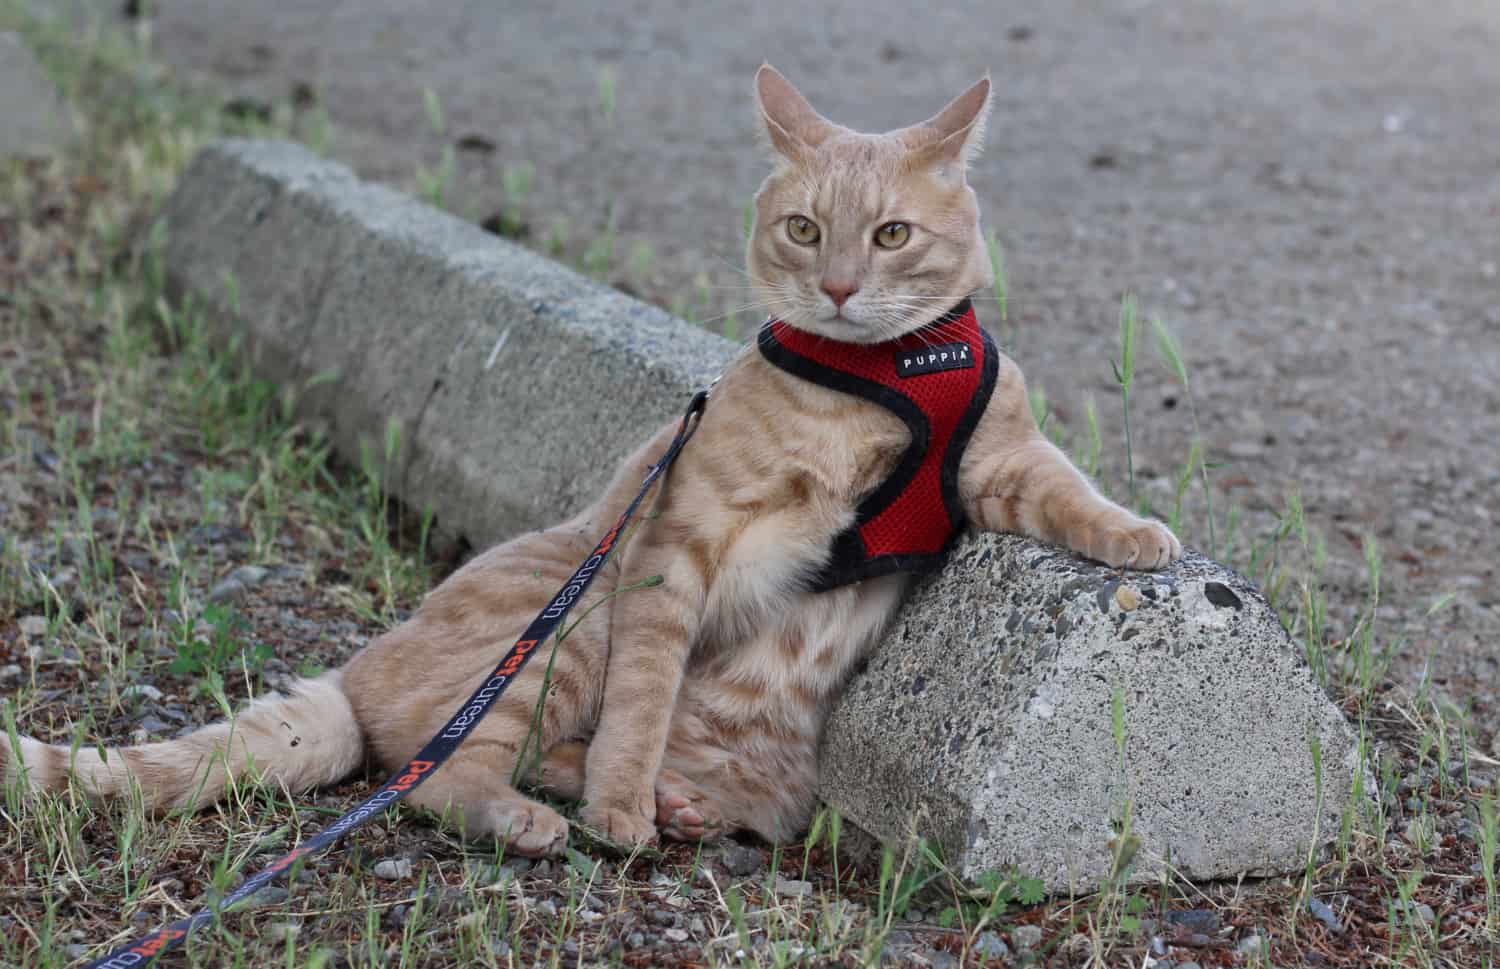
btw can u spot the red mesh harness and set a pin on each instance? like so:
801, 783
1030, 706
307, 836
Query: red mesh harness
938, 380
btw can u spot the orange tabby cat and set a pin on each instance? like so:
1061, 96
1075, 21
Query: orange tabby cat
696, 706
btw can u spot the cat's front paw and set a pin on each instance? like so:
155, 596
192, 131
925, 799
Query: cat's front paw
625, 827
1133, 543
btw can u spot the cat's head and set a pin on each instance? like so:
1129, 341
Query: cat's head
861, 237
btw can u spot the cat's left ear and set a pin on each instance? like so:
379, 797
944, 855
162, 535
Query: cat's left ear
948, 141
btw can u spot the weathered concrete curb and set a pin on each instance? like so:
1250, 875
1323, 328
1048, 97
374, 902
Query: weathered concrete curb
35, 120
517, 385
989, 712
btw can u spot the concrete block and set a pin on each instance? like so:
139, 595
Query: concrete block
984, 718
516, 384
35, 121
987, 716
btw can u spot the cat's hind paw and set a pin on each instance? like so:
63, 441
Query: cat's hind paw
684, 812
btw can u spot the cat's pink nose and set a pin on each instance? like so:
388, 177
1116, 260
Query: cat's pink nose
840, 292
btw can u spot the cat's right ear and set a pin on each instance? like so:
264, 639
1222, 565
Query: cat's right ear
789, 121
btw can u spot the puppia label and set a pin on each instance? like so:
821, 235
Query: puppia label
945, 356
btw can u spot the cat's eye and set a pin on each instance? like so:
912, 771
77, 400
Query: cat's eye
802, 230
892, 235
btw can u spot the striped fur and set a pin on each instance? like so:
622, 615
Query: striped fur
695, 706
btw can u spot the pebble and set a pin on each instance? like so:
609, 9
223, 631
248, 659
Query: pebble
899, 937
77, 951
697, 927
991, 946
10, 671
1188, 965
938, 959
1325, 915
393, 869
1425, 912
742, 859
792, 887
217, 535
1128, 597
234, 585
1026, 936
675, 935
661, 916
547, 907
1249, 945
635, 940
140, 690
281, 931
1201, 920
33, 627
152, 725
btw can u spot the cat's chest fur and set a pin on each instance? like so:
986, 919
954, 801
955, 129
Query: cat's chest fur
787, 480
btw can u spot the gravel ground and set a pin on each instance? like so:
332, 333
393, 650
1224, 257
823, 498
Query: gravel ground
1309, 192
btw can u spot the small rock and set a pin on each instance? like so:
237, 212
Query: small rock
915, 915
217, 535
1426, 914
899, 937
237, 583
281, 931
1026, 937
77, 951
393, 869
155, 725
991, 946
937, 959
141, 690
547, 907
635, 940
1325, 915
1188, 965
661, 916
742, 859
1249, 945
518, 865
33, 627
697, 927
38, 122
675, 935
792, 887
542, 869
1128, 597
10, 671
1201, 920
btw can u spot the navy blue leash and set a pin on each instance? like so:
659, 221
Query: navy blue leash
437, 750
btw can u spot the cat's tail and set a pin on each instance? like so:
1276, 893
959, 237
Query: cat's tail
300, 741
